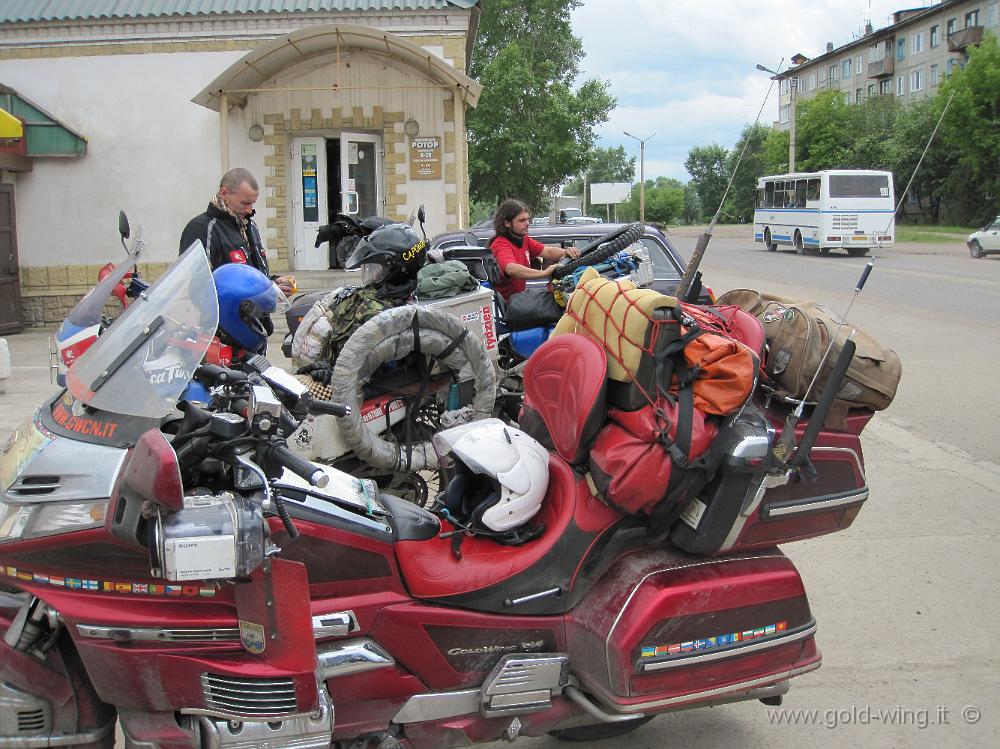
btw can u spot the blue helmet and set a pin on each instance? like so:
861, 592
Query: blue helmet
246, 298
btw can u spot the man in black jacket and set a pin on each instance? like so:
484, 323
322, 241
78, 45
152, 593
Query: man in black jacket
226, 228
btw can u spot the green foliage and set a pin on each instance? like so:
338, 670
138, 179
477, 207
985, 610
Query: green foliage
743, 194
664, 202
531, 130
707, 167
823, 132
971, 131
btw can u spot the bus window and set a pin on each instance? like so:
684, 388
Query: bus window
800, 193
760, 198
859, 186
769, 194
812, 190
790, 193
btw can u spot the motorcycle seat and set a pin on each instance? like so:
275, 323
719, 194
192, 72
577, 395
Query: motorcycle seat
565, 402
488, 572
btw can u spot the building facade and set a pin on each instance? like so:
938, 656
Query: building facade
335, 106
907, 59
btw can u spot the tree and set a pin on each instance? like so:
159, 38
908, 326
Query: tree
823, 132
753, 165
707, 167
971, 129
603, 165
531, 130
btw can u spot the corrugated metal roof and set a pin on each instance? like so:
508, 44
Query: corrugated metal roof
26, 11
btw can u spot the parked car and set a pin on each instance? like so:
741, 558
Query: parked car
668, 265
986, 241
584, 220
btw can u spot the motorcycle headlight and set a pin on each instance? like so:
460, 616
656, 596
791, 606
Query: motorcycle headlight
49, 518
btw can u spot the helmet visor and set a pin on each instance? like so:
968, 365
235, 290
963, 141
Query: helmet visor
268, 301
372, 273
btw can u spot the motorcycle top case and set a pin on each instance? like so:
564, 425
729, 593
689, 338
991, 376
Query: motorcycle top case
663, 628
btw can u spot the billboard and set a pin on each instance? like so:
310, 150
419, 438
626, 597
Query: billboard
610, 192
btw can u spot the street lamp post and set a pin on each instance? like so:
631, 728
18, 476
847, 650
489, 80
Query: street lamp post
792, 87
642, 173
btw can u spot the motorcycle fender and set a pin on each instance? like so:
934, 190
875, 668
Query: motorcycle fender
274, 615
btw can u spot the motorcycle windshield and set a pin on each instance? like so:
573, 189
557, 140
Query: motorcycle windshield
89, 309
144, 361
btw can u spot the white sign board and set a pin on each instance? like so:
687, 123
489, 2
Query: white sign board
610, 192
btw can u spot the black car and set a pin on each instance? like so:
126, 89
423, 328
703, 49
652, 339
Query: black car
668, 265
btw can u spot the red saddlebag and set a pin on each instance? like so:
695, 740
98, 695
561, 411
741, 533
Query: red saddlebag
633, 458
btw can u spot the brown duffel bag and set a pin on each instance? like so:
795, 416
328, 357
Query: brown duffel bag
798, 333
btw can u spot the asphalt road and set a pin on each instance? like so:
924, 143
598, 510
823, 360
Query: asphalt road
907, 599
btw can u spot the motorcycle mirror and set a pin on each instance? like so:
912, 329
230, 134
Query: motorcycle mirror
471, 239
123, 228
421, 214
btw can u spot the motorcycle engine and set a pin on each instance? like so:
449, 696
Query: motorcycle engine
213, 537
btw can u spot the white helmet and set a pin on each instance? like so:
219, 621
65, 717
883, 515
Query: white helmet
516, 465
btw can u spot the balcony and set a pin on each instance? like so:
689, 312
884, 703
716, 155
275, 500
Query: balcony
881, 68
969, 37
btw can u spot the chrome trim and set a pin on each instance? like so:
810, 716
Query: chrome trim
621, 613
769, 481
302, 732
753, 647
778, 680
335, 624
594, 711
71, 739
524, 682
158, 634
556, 591
351, 658
248, 698
812, 504
431, 706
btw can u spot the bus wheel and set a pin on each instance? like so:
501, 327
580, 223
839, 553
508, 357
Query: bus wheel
857, 251
825, 250
799, 248
771, 246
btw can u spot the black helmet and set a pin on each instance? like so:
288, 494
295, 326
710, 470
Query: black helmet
396, 253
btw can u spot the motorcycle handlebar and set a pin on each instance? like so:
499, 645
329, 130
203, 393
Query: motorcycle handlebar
299, 466
219, 374
329, 407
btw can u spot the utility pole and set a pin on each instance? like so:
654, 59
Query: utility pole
642, 173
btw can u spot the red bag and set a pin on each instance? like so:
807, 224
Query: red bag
630, 462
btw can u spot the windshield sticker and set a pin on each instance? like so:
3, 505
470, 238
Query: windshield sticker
108, 586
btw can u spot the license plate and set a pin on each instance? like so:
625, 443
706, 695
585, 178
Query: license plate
861, 238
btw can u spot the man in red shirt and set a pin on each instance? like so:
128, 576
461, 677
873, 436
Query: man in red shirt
514, 249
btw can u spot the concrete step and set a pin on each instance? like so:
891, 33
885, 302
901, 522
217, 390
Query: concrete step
316, 280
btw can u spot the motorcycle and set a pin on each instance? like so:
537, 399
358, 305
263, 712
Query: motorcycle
178, 568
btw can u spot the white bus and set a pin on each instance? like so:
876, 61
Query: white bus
851, 209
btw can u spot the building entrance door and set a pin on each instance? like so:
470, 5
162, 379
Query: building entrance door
309, 196
361, 174
10, 283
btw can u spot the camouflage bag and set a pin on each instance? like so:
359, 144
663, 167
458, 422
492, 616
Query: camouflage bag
348, 311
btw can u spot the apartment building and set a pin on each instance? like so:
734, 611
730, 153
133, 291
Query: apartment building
907, 59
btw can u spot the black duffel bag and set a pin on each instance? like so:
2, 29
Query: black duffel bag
531, 308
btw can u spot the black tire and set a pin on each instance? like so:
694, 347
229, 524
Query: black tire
975, 249
771, 246
799, 246
601, 249
601, 730
345, 247
824, 250
857, 251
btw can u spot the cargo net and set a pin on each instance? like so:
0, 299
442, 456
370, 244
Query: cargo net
616, 330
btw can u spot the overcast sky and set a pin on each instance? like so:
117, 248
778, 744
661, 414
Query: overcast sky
684, 69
